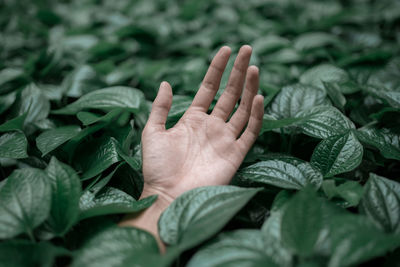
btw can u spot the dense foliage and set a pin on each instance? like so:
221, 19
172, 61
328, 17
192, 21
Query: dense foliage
319, 188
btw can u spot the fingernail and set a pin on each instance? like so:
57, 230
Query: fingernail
254, 67
247, 47
225, 47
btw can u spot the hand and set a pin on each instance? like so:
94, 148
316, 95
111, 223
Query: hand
202, 149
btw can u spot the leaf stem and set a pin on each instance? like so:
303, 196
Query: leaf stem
31, 236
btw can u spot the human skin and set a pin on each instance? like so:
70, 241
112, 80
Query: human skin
201, 149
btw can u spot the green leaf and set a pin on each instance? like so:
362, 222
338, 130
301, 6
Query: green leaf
337, 154
123, 73
200, 213
391, 97
312, 40
24, 202
385, 140
66, 192
324, 73
238, 248
271, 232
132, 161
334, 93
22, 253
288, 174
270, 123
80, 81
295, 98
97, 184
350, 191
111, 201
284, 56
323, 122
180, 104
115, 245
106, 99
9, 74
356, 240
13, 145
34, 104
13, 124
6, 101
96, 156
307, 108
302, 222
269, 43
50, 140
381, 203
88, 118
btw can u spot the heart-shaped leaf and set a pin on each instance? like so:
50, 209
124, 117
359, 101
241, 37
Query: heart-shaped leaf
337, 154
115, 245
200, 213
106, 99
355, 239
288, 174
25, 202
302, 222
66, 191
381, 202
385, 140
239, 248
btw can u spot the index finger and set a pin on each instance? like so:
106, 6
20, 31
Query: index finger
211, 81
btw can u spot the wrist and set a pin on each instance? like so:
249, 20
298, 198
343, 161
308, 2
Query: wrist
164, 199
148, 219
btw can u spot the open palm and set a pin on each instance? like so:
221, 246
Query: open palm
203, 149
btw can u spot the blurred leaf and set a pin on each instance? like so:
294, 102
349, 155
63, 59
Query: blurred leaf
355, 240
381, 202
80, 81
115, 245
14, 124
391, 97
312, 40
350, 191
302, 222
334, 93
34, 104
269, 43
324, 73
21, 253
271, 232
6, 101
386, 141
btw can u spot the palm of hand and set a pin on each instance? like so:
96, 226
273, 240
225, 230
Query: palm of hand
198, 147
202, 149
